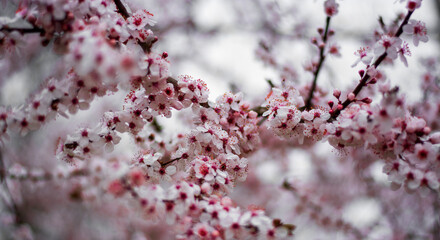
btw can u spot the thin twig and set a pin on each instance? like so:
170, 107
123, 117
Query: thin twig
318, 69
171, 161
366, 77
121, 9
23, 30
157, 127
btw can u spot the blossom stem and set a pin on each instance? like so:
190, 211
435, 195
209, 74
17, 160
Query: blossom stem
157, 127
318, 69
366, 77
171, 161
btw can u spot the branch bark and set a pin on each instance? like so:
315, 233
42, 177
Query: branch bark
318, 69
366, 77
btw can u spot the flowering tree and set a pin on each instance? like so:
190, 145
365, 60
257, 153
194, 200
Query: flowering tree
121, 175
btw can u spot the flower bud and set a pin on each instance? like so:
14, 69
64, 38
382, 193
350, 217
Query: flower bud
367, 100
435, 138
330, 103
337, 93
426, 130
351, 96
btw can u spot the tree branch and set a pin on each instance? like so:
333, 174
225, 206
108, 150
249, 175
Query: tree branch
121, 9
23, 30
171, 161
318, 69
366, 77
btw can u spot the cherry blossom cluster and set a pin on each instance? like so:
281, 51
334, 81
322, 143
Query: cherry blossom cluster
155, 98
188, 180
210, 155
90, 57
59, 97
212, 161
388, 128
185, 206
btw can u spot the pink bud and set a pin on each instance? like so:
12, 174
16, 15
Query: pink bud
340, 106
426, 130
410, 129
227, 202
164, 55
252, 115
351, 96
215, 234
223, 121
205, 188
361, 73
435, 138
245, 106
367, 100
330, 103
337, 93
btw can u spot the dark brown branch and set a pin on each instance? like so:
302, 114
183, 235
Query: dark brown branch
157, 127
171, 161
366, 77
382, 25
318, 68
23, 30
121, 9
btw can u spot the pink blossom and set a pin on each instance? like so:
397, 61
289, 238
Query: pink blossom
389, 45
418, 30
140, 19
413, 4
331, 8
